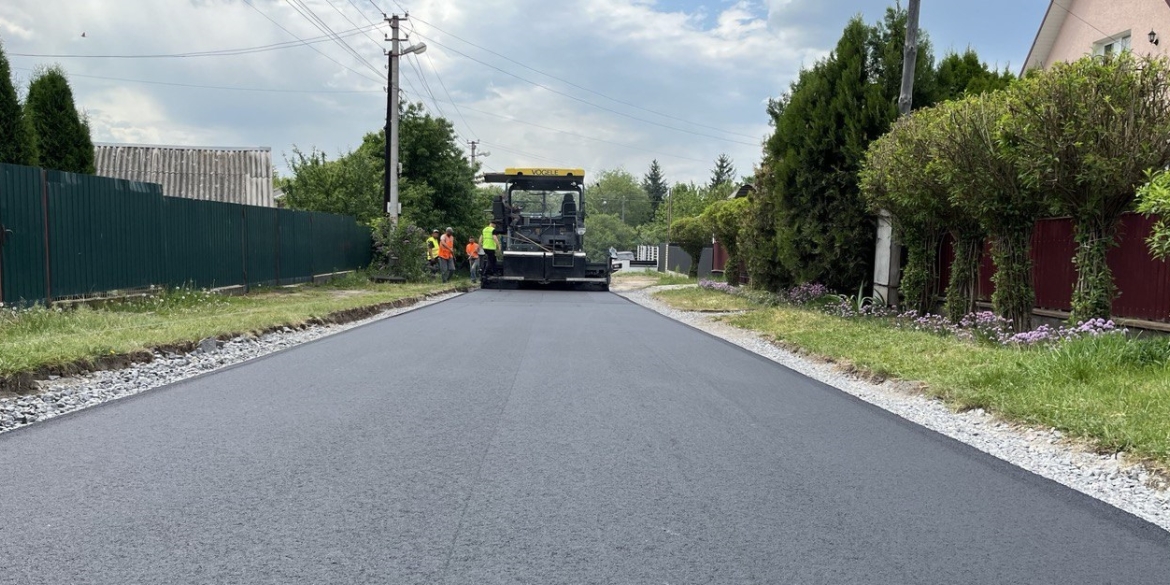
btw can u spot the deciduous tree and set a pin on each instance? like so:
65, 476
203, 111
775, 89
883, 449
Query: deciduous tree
617, 192
984, 181
1085, 133
692, 234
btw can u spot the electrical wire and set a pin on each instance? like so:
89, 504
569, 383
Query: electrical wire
218, 87
586, 102
344, 66
305, 11
581, 87
451, 99
578, 135
214, 53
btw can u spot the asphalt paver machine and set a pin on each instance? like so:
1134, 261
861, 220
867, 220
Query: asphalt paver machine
540, 220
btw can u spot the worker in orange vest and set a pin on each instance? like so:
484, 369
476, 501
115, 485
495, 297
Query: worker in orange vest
447, 254
473, 258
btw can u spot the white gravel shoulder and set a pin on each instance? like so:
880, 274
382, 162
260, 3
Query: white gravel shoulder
64, 395
1045, 452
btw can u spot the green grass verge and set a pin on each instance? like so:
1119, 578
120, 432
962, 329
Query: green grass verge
1112, 391
46, 337
701, 299
659, 278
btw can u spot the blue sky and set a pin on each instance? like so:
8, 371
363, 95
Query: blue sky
594, 83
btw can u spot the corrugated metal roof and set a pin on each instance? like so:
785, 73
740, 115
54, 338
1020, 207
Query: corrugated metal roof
227, 174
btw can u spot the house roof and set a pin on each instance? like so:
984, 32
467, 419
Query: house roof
741, 191
1058, 11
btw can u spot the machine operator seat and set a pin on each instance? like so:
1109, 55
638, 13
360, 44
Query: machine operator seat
569, 209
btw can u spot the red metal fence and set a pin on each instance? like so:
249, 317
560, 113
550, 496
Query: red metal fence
1143, 284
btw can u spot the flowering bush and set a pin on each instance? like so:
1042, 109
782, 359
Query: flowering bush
1045, 334
799, 295
987, 327
804, 294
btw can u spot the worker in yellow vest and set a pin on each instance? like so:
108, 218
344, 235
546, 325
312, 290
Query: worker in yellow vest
433, 252
490, 242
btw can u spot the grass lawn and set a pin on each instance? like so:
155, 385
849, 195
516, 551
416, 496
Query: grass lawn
40, 337
653, 278
1111, 390
701, 299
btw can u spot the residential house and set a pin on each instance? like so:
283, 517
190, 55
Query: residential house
1074, 28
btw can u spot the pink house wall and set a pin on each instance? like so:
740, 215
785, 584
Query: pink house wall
1099, 19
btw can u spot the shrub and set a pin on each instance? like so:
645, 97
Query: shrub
400, 250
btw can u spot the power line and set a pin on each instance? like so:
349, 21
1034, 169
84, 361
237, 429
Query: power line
1076, 16
347, 19
213, 53
581, 87
499, 146
586, 102
344, 66
317, 21
446, 91
218, 87
575, 134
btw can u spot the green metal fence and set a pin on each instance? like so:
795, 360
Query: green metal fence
66, 235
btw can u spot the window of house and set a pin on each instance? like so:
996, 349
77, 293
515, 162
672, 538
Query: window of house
1112, 45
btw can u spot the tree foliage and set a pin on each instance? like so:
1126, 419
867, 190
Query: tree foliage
960, 75
1153, 199
617, 192
823, 125
400, 249
1084, 133
350, 185
723, 172
61, 134
983, 180
692, 234
16, 145
655, 186
605, 231
436, 187
725, 219
895, 178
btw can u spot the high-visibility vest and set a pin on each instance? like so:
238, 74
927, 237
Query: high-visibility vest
472, 250
432, 248
446, 247
489, 238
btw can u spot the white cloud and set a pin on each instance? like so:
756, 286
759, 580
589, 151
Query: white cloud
703, 71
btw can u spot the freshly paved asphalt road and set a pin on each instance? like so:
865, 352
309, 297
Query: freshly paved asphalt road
533, 437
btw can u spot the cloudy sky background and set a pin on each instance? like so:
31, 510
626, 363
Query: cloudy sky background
593, 83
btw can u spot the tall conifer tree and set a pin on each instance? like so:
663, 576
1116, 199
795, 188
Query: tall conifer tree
654, 184
15, 140
62, 136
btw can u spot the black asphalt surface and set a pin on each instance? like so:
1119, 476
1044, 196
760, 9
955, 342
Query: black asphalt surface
541, 438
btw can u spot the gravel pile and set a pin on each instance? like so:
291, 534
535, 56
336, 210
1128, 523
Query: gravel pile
62, 395
1045, 452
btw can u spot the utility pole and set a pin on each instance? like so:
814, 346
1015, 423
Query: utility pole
909, 58
888, 255
473, 144
390, 185
390, 181
669, 218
